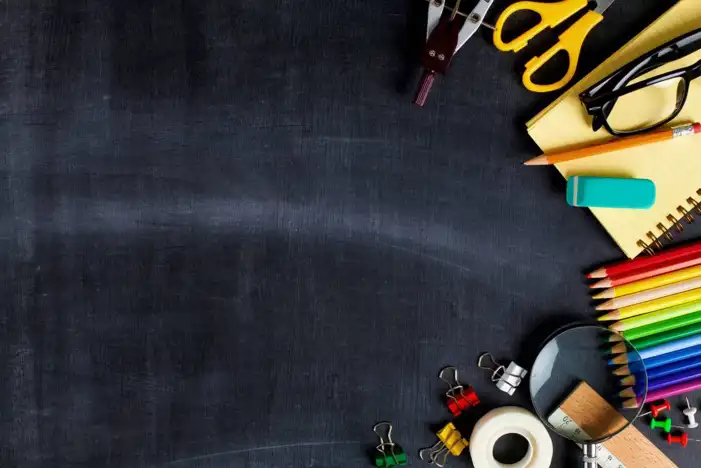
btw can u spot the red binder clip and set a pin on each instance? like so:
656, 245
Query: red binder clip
459, 397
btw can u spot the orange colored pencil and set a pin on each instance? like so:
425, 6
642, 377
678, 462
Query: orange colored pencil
616, 145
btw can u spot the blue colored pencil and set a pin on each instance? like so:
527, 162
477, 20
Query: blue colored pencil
658, 361
664, 382
669, 369
659, 350
674, 368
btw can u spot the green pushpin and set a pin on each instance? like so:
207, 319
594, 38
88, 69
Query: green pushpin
389, 454
665, 425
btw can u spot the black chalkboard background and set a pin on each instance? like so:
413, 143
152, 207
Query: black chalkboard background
230, 240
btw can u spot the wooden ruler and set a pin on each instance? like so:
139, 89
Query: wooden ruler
590, 413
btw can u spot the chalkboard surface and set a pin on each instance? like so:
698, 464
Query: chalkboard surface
230, 240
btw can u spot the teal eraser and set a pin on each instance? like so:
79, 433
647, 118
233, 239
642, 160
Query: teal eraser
610, 192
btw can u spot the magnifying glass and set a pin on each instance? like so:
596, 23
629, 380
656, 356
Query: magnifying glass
575, 391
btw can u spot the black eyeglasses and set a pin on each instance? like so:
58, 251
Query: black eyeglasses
626, 105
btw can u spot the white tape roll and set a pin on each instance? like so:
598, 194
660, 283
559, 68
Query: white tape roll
510, 420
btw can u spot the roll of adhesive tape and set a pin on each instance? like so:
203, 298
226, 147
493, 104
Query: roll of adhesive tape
510, 420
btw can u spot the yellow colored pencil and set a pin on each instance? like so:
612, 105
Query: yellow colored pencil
656, 282
651, 294
657, 316
652, 306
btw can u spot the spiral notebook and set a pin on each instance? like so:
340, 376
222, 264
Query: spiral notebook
674, 166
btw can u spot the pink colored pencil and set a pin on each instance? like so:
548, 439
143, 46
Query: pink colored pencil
664, 393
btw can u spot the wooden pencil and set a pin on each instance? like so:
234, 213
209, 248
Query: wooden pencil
652, 306
616, 144
650, 283
646, 365
679, 389
665, 337
658, 350
618, 269
663, 371
657, 270
656, 328
650, 294
657, 316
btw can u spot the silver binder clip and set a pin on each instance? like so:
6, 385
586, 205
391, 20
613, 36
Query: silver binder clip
507, 379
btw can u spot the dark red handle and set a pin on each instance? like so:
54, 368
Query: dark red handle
426, 84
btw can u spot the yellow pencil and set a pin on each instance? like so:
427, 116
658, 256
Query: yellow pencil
656, 282
652, 306
657, 316
651, 294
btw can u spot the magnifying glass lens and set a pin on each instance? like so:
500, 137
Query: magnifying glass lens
575, 390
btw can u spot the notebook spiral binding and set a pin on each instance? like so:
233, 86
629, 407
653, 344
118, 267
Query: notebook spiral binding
655, 242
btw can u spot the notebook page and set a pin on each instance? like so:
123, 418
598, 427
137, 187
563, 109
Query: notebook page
674, 166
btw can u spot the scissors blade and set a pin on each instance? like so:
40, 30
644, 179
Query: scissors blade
603, 5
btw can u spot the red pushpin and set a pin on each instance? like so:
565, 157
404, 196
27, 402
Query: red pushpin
683, 439
657, 409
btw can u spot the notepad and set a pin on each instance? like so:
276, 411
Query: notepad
674, 166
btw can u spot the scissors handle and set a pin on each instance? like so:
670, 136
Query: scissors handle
551, 14
571, 41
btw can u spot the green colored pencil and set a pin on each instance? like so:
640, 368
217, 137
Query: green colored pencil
657, 316
660, 327
665, 337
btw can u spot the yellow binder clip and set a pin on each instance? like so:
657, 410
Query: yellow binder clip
450, 442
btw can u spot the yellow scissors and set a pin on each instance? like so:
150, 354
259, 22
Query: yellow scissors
551, 15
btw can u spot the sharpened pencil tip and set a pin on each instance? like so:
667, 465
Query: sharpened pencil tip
631, 403
613, 315
537, 161
615, 338
622, 371
627, 393
600, 273
627, 381
604, 283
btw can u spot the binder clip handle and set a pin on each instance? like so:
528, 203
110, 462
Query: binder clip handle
495, 368
387, 432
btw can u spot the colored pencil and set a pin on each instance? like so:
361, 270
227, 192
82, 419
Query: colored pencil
650, 283
658, 361
674, 390
664, 382
658, 350
657, 270
652, 306
657, 316
627, 266
666, 337
651, 294
663, 371
616, 144
656, 328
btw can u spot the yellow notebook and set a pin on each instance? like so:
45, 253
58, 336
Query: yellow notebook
674, 166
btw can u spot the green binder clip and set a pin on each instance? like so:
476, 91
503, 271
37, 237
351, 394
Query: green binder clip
389, 454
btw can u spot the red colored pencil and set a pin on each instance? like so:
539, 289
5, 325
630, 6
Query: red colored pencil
622, 268
655, 270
